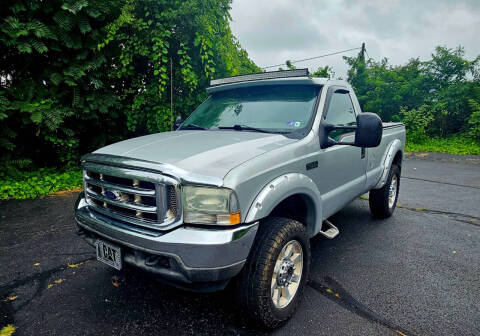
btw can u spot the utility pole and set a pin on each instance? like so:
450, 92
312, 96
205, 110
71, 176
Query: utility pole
171, 94
361, 55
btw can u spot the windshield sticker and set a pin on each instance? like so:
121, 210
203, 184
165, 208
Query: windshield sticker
293, 123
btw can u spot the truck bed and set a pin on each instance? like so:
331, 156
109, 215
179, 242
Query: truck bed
392, 124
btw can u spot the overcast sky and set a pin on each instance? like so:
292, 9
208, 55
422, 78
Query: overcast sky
273, 31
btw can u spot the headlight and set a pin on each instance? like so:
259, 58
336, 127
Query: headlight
205, 205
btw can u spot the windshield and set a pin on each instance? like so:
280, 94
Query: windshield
275, 109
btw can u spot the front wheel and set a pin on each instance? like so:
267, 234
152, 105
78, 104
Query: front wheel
384, 200
271, 284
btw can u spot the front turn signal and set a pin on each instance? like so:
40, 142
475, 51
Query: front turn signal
235, 218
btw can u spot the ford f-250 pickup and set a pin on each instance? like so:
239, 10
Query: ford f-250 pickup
239, 188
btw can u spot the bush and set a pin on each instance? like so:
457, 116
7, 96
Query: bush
42, 182
474, 120
416, 121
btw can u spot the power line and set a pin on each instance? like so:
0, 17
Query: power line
311, 58
367, 53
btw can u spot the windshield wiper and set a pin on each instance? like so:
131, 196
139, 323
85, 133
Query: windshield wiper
193, 127
248, 128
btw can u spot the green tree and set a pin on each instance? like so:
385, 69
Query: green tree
289, 65
324, 72
51, 84
451, 88
154, 36
443, 85
384, 89
357, 75
78, 74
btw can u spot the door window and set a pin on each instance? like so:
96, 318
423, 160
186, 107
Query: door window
340, 112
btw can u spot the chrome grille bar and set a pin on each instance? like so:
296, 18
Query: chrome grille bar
120, 217
127, 205
107, 185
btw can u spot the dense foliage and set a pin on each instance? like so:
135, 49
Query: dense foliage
55, 92
41, 182
78, 74
435, 98
456, 144
154, 37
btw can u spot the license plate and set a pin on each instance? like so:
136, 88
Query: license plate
109, 254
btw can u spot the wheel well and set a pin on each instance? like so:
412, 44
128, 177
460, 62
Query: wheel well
299, 207
398, 159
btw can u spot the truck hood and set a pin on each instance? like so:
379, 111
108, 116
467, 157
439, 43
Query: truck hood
209, 153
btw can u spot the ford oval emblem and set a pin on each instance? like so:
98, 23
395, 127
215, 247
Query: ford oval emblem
113, 195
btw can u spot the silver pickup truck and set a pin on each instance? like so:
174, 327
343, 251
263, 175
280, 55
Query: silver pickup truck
239, 188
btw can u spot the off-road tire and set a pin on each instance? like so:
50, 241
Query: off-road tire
253, 285
379, 198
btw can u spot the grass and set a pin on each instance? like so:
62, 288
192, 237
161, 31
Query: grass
454, 145
41, 182
7, 330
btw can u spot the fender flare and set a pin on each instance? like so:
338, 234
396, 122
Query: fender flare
393, 149
281, 188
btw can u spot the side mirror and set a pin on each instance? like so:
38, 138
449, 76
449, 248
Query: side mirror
178, 122
368, 132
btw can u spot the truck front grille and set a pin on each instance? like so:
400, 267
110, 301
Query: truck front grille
128, 196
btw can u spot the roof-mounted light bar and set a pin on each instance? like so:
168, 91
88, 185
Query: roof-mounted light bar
260, 76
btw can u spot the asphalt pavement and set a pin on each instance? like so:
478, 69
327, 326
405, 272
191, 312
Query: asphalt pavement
416, 273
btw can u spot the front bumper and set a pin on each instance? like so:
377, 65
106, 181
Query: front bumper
185, 255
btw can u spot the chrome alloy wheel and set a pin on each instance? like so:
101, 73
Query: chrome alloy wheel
287, 274
392, 192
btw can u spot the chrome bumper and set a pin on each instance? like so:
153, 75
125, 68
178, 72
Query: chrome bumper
196, 254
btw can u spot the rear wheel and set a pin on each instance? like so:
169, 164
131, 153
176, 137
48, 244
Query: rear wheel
384, 200
271, 284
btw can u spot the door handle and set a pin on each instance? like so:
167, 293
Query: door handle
363, 153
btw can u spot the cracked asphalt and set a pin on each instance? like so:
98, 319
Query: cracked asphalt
417, 273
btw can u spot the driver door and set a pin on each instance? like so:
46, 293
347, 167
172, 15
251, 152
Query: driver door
342, 168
